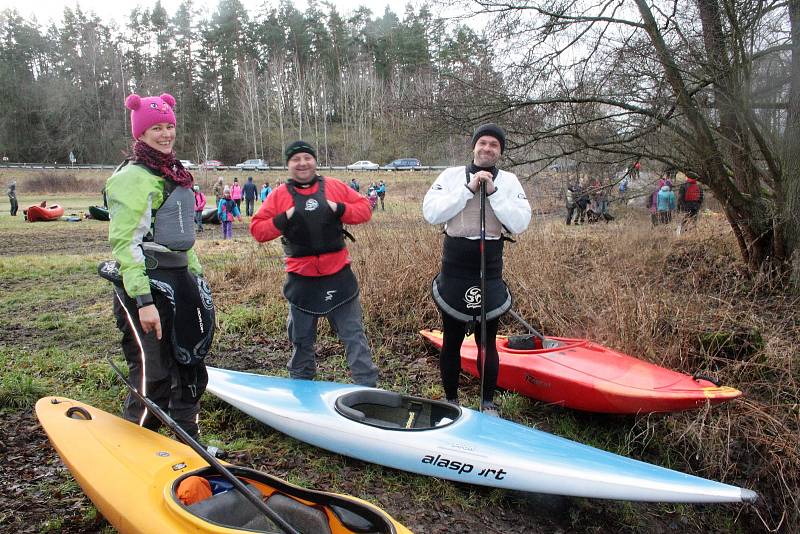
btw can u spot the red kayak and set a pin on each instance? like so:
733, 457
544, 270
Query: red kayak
579, 374
43, 212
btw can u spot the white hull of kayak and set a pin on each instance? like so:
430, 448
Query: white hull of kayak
474, 448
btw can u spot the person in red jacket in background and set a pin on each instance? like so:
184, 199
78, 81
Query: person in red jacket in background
690, 199
308, 213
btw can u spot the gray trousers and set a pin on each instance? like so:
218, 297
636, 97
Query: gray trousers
347, 324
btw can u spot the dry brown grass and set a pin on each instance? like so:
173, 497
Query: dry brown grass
640, 290
93, 180
50, 181
653, 295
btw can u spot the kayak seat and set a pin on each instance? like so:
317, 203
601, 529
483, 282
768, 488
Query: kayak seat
531, 342
374, 407
386, 409
231, 509
524, 342
354, 521
301, 516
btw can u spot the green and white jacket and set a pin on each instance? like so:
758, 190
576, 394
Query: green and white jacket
135, 194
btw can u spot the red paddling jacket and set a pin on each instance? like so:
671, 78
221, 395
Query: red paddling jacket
317, 262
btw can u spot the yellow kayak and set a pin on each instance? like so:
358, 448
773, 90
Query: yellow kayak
134, 477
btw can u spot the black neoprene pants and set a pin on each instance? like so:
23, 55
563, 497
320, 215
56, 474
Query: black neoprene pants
153, 370
450, 357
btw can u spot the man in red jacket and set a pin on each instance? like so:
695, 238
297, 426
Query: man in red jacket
690, 199
308, 213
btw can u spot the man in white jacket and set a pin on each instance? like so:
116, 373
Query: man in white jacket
454, 200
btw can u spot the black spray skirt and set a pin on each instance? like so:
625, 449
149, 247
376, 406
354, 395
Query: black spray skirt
460, 298
319, 295
188, 299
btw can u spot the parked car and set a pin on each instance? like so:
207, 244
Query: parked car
253, 165
187, 164
403, 164
211, 164
364, 165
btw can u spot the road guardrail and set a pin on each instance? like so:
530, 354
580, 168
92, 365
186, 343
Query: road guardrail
101, 166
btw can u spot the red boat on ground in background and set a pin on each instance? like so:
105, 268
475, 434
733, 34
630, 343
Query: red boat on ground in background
43, 212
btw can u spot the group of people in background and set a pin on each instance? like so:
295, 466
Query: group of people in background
662, 202
375, 192
588, 199
229, 200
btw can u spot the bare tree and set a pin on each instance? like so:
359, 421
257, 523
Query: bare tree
683, 85
276, 70
204, 148
248, 102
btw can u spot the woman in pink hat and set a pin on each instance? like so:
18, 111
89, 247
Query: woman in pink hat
162, 304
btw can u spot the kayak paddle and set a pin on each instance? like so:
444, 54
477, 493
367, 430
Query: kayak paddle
204, 454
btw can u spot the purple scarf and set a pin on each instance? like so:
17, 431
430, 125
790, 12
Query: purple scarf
164, 164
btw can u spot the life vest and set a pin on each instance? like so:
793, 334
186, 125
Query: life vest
692, 192
314, 228
173, 222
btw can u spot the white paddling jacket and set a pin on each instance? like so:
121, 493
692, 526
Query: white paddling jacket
448, 197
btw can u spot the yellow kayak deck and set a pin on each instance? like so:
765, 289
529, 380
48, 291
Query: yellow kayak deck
131, 474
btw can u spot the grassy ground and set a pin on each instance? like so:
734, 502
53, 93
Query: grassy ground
673, 301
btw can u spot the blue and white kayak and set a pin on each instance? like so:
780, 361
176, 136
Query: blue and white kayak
438, 439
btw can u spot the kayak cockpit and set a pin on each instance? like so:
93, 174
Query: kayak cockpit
231, 509
393, 411
531, 344
305, 510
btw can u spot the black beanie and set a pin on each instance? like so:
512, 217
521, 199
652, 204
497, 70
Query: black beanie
297, 147
492, 130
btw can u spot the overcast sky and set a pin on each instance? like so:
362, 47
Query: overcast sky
47, 10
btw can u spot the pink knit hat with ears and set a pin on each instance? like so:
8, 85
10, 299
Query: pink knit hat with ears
148, 111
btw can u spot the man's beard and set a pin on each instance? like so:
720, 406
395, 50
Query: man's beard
486, 161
